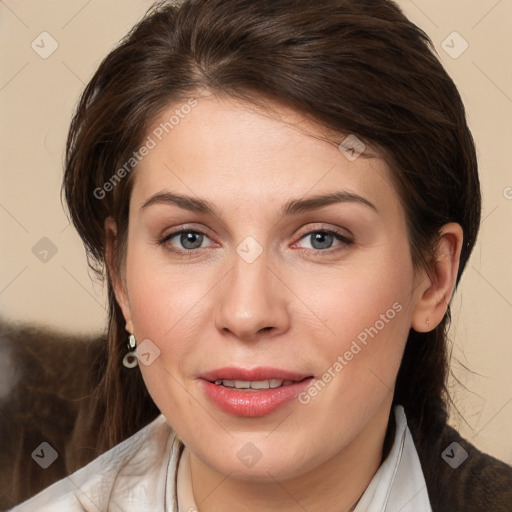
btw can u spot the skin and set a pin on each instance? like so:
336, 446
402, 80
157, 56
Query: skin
291, 308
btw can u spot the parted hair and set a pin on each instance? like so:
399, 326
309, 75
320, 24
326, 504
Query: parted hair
353, 66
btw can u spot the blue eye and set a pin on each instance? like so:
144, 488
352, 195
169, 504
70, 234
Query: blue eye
323, 240
189, 240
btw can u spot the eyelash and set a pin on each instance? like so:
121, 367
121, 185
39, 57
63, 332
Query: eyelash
341, 238
331, 250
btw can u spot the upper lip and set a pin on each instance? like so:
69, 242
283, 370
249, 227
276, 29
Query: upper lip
255, 374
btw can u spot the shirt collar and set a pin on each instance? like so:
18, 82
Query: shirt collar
398, 484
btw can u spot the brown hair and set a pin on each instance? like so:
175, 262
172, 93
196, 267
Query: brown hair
354, 66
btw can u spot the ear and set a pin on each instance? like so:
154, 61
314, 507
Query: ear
437, 285
115, 274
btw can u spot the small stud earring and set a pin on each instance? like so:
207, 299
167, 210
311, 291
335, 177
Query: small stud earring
428, 322
130, 358
132, 342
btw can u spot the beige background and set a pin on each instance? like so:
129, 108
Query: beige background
37, 96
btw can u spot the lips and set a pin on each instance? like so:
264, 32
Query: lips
256, 374
255, 392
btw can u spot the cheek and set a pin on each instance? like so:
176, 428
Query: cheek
168, 306
365, 314
163, 304
167, 309
356, 296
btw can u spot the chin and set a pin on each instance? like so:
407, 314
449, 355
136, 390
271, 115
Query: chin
257, 461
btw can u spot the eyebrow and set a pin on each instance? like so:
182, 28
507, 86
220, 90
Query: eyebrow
292, 207
186, 202
297, 206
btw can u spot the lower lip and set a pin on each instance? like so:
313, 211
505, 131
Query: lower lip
253, 403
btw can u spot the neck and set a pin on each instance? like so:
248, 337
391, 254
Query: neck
336, 484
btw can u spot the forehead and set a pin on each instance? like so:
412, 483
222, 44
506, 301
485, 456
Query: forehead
232, 152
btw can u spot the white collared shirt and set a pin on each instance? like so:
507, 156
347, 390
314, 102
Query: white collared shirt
397, 486
138, 475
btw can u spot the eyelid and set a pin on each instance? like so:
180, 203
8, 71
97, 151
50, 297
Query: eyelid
163, 240
174, 234
343, 240
342, 232
184, 227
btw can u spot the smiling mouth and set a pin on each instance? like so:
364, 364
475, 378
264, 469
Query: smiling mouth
255, 392
256, 385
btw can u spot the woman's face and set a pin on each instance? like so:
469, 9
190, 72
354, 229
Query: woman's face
260, 255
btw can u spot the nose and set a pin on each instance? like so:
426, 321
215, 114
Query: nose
252, 301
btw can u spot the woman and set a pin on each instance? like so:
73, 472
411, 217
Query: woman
284, 196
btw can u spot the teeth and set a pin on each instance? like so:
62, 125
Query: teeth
258, 384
